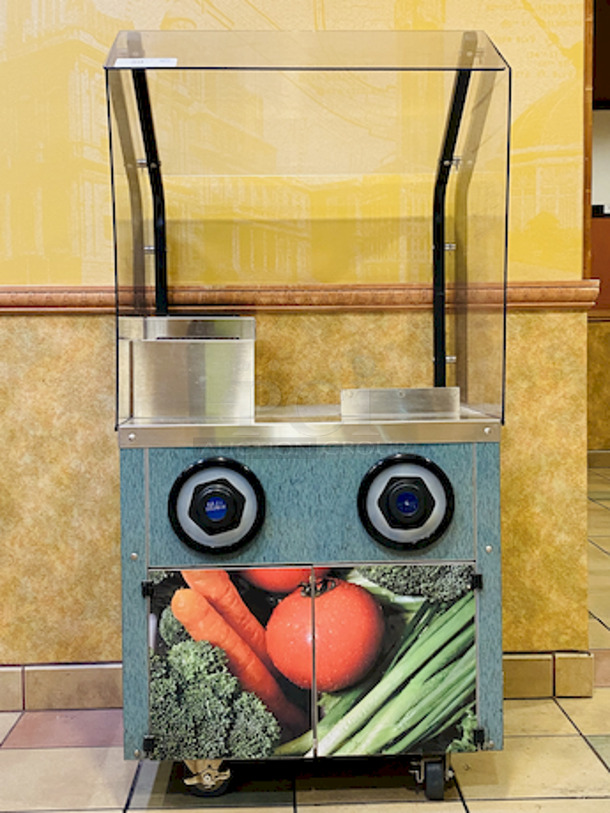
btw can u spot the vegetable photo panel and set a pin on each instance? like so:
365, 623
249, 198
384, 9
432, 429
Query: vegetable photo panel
412, 633
214, 690
301, 661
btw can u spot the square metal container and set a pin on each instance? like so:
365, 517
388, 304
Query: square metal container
187, 368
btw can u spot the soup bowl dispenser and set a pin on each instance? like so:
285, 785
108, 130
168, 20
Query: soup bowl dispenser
309, 581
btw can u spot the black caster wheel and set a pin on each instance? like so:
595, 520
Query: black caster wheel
434, 779
206, 793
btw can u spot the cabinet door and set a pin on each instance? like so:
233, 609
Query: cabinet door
214, 692
417, 694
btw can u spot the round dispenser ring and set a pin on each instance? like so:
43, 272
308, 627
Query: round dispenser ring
406, 501
216, 505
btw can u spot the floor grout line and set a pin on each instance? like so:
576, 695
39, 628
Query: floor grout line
541, 799
601, 621
584, 737
132, 787
598, 502
599, 547
460, 794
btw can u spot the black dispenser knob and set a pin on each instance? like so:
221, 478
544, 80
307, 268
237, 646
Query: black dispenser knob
216, 505
405, 501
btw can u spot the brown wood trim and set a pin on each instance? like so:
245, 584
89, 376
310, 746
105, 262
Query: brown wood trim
568, 294
600, 315
46, 300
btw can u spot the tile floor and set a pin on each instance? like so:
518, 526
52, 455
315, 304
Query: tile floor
599, 558
556, 756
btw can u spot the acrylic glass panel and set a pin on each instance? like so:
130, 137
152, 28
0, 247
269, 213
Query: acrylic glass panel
311, 159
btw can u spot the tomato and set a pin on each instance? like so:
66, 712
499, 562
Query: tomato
281, 579
349, 629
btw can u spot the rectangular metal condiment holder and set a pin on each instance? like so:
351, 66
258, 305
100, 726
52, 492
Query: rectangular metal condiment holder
183, 368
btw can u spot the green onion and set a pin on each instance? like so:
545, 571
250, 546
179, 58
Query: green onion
442, 704
412, 703
437, 635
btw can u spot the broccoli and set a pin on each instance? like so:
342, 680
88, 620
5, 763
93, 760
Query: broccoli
254, 728
443, 583
467, 728
198, 709
171, 630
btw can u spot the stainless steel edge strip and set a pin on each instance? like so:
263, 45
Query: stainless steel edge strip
307, 433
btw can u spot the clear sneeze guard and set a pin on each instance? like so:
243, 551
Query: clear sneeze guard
313, 158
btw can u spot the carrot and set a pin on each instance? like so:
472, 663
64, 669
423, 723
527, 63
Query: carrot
217, 587
204, 623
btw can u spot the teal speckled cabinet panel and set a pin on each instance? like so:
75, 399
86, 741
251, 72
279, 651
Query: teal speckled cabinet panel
135, 620
489, 621
312, 513
311, 518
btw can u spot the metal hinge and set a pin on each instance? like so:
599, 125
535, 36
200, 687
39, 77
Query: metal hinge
148, 589
148, 744
476, 581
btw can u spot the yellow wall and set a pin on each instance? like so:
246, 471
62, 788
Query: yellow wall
59, 478
55, 220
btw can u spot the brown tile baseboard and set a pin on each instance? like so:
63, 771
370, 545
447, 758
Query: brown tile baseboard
528, 675
601, 667
548, 674
98, 685
574, 673
61, 686
73, 686
11, 688
598, 458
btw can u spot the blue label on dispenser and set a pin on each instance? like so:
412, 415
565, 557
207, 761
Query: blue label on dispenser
216, 509
407, 503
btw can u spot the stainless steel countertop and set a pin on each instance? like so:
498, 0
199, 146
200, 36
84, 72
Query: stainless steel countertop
309, 426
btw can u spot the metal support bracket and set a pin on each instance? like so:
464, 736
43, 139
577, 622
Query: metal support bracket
148, 744
207, 774
148, 589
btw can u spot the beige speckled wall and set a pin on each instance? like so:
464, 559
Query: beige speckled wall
59, 561
308, 359
544, 483
598, 395
59, 498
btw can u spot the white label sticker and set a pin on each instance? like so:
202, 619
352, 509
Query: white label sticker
145, 62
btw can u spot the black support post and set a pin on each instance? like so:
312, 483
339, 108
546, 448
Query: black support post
446, 161
140, 85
